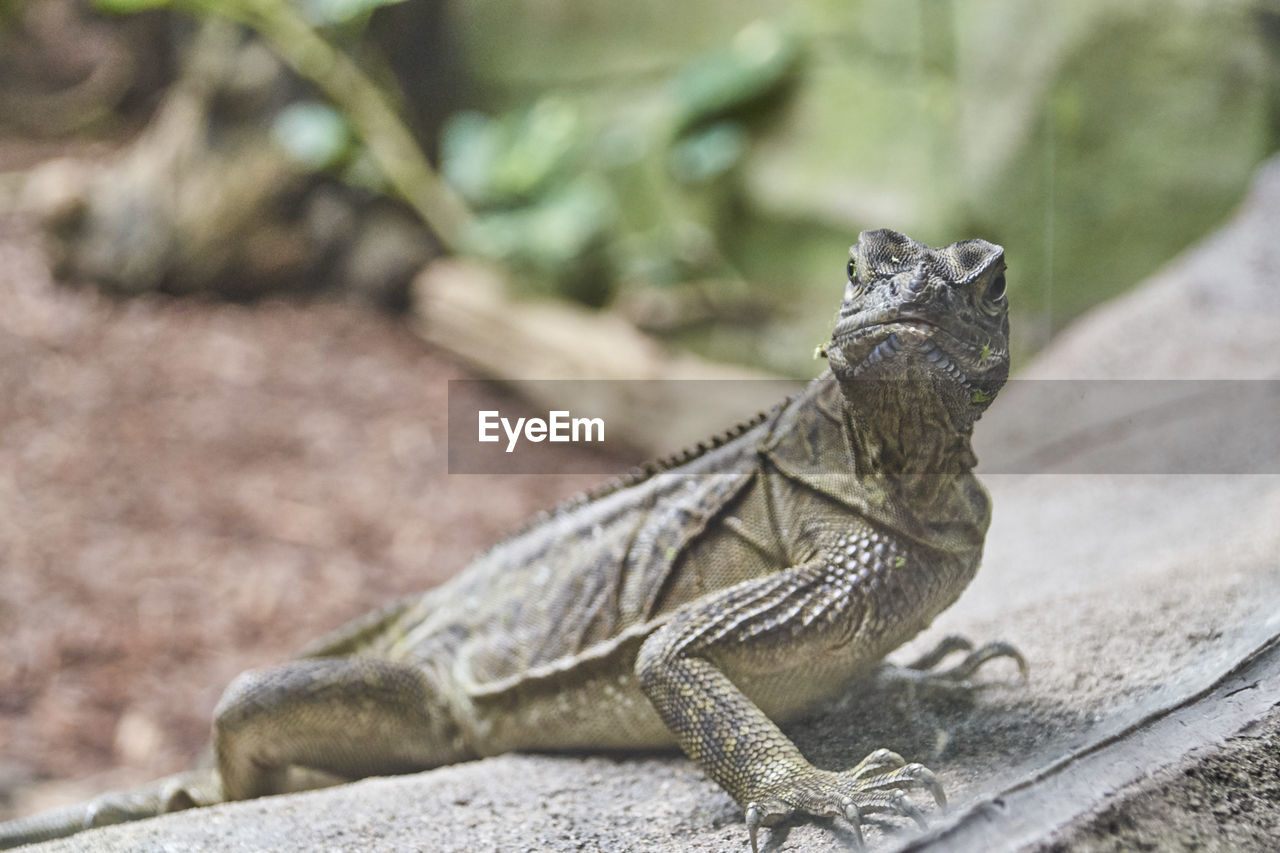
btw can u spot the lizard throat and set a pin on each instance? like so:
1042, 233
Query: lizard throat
904, 428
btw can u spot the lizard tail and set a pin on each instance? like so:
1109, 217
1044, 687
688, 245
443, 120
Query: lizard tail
171, 794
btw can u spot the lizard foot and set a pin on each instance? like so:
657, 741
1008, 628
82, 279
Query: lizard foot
877, 785
925, 668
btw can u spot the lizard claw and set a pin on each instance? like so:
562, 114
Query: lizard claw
947, 645
924, 669
853, 815
753, 825
765, 813
990, 651
904, 806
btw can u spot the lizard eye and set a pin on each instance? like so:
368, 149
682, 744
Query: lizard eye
993, 295
853, 287
995, 292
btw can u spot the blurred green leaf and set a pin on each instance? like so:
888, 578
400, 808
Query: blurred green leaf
756, 63
552, 234
468, 150
709, 153
128, 7
314, 134
511, 159
322, 13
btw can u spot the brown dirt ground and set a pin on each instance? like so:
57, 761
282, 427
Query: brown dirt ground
189, 489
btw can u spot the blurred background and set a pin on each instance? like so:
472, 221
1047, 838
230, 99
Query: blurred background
244, 244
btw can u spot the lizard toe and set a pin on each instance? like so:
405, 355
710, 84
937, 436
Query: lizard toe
925, 669
944, 649
878, 785
892, 804
991, 651
877, 762
767, 812
849, 809
897, 778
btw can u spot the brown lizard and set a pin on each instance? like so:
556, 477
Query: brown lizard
697, 601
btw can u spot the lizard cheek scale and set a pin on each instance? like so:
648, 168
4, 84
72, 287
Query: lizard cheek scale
701, 600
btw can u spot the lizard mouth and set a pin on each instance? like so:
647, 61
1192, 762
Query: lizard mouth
911, 339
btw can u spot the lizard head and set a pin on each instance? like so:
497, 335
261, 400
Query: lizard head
937, 319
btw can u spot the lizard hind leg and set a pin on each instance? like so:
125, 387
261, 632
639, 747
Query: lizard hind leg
346, 717
350, 717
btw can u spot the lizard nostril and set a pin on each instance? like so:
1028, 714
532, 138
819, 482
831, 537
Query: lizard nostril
916, 283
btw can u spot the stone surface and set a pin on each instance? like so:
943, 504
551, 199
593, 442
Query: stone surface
1221, 800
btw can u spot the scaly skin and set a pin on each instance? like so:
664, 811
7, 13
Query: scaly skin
699, 602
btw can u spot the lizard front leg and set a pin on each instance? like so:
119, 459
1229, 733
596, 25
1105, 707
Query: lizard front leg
785, 621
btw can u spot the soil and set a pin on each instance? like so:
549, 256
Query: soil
191, 489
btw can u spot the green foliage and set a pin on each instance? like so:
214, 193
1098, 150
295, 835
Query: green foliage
365, 106
755, 64
546, 179
324, 13
318, 13
1093, 139
500, 162
128, 7
552, 233
313, 134
707, 154
679, 143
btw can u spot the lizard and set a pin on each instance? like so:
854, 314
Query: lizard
699, 600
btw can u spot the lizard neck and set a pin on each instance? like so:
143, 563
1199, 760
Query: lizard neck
911, 473
902, 428
901, 435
